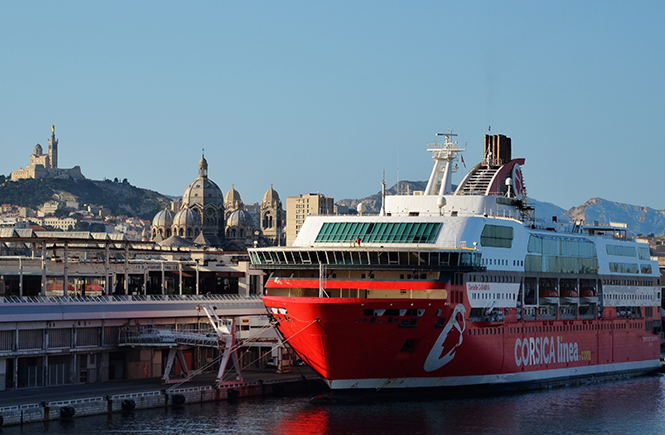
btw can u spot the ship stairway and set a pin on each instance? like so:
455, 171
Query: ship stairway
479, 181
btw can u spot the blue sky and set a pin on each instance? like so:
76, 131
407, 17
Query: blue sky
324, 96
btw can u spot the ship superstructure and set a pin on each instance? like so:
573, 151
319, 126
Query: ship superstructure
452, 288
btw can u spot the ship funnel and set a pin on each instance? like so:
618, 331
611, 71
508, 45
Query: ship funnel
497, 150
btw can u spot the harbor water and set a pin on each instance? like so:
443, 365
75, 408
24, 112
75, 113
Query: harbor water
635, 406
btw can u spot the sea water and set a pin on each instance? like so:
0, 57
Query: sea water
635, 406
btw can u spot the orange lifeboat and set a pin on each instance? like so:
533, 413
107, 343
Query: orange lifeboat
570, 296
588, 295
548, 295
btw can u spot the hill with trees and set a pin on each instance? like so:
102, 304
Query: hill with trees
120, 197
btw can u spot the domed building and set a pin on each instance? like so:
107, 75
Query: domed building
187, 224
201, 217
240, 233
205, 198
161, 226
208, 218
232, 202
271, 218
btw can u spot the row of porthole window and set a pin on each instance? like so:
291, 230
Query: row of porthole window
501, 262
491, 278
493, 296
566, 328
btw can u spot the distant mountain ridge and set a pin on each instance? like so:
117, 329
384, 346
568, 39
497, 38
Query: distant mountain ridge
640, 220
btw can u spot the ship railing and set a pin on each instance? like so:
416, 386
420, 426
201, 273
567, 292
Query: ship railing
168, 337
124, 298
529, 313
363, 257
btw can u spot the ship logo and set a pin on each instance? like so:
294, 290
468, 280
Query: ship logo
443, 350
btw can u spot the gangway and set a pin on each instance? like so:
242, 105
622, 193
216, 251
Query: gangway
222, 337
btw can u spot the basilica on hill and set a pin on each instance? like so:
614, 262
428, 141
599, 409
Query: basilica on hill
45, 164
207, 218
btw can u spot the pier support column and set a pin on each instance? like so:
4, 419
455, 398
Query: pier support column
163, 283
43, 290
197, 278
20, 277
64, 271
180, 278
108, 287
127, 268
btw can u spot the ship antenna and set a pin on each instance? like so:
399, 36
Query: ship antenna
444, 155
399, 188
383, 194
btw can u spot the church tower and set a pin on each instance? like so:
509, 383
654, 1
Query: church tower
271, 218
53, 150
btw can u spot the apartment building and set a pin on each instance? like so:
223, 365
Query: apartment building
299, 207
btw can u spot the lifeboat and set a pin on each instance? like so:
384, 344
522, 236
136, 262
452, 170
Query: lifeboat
548, 296
570, 296
588, 295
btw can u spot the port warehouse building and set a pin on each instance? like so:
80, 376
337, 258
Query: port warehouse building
67, 299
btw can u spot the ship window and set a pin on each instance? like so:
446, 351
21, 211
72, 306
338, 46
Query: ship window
497, 236
646, 268
623, 267
644, 253
378, 232
625, 251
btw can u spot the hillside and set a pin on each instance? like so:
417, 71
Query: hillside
640, 220
120, 197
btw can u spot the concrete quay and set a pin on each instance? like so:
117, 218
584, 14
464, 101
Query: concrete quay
33, 405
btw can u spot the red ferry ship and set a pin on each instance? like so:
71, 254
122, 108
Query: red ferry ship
463, 288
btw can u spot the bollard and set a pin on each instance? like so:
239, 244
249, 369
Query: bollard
67, 412
178, 400
128, 405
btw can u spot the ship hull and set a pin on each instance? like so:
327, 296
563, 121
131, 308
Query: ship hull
355, 346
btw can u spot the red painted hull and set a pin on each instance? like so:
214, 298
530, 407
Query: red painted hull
346, 345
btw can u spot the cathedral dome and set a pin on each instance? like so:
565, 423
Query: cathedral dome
163, 219
271, 196
232, 199
202, 191
187, 218
239, 218
38, 151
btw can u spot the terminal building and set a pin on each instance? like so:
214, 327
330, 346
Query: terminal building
68, 302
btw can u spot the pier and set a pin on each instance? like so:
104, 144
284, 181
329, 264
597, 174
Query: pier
65, 402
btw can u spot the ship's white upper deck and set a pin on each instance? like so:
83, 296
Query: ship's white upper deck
487, 212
